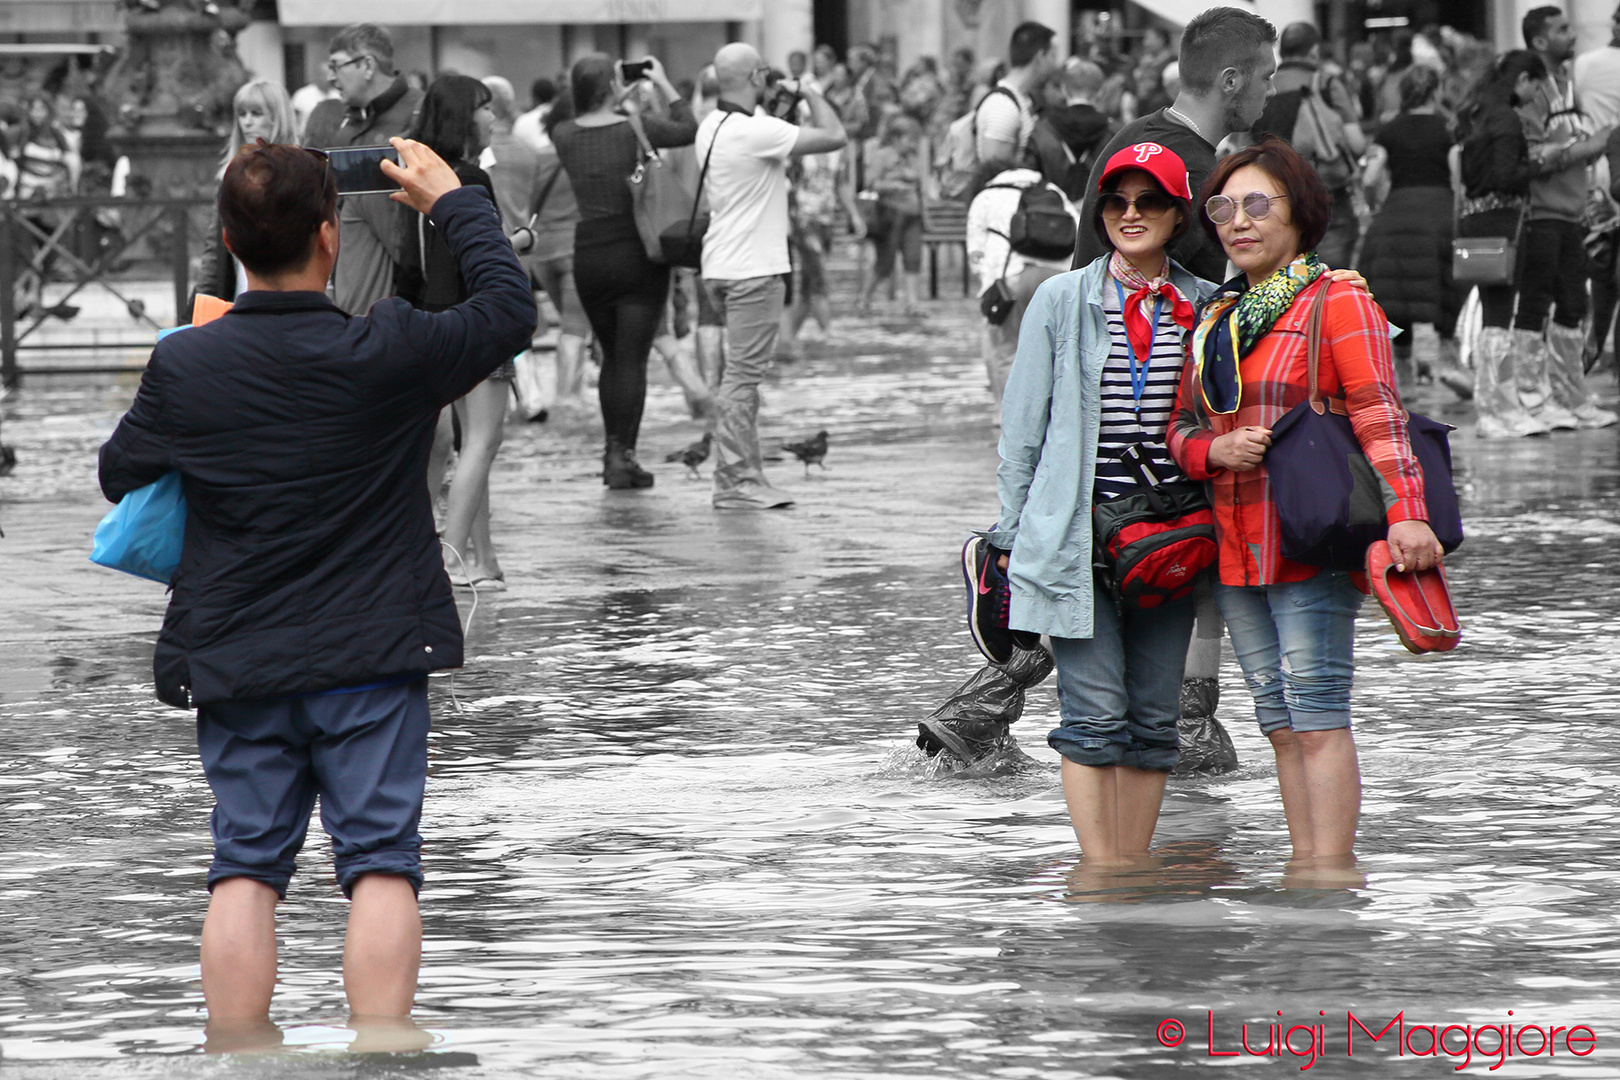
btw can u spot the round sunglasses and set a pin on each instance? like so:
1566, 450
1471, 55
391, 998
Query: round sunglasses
1256, 205
1149, 204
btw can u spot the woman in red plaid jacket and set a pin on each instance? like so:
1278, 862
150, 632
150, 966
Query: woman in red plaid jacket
1292, 625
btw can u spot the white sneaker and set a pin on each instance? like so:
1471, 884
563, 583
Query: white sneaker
1590, 416
1555, 417
1511, 426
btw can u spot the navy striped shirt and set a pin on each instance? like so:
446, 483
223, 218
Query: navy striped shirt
1121, 427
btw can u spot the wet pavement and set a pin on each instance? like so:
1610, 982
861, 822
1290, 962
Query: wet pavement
675, 826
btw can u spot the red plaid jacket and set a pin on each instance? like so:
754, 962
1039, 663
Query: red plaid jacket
1355, 365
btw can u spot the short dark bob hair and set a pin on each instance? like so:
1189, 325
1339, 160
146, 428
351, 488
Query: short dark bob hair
272, 202
445, 123
1310, 204
1112, 185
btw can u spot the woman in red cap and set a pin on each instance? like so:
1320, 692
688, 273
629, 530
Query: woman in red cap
1086, 407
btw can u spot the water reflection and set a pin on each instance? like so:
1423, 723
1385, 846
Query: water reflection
678, 829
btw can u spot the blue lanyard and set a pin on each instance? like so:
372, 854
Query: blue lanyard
1139, 375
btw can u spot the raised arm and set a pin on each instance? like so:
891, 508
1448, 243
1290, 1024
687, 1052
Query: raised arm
459, 348
676, 129
826, 131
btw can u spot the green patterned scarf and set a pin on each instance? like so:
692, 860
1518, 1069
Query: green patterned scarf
1235, 320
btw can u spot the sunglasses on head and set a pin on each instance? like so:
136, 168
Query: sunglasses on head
1256, 204
1149, 204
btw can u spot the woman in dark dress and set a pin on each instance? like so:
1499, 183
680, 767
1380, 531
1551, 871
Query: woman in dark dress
455, 122
622, 291
1407, 253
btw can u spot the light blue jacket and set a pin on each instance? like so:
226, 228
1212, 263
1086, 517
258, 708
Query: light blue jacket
1051, 414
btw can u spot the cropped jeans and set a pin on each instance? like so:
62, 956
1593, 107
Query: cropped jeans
1119, 691
1296, 645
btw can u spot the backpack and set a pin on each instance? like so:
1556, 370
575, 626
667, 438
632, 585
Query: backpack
1041, 227
1318, 135
959, 172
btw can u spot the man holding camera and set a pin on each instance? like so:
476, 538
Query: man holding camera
311, 599
374, 105
745, 251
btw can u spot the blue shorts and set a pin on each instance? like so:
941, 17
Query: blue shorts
363, 752
1119, 691
1296, 644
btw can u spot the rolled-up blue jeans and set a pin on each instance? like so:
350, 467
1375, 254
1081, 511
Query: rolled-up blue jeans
1119, 691
1296, 644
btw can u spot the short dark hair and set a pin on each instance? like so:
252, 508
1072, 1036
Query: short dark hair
1218, 39
1535, 23
1112, 184
272, 202
1418, 84
365, 39
1310, 204
1029, 40
1297, 40
445, 123
591, 80
542, 91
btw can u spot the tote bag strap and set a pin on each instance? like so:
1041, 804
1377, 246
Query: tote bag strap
1313, 350
1313, 353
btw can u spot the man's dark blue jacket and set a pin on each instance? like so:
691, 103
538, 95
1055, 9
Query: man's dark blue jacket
302, 436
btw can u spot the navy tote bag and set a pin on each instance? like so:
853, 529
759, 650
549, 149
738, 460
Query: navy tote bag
1329, 498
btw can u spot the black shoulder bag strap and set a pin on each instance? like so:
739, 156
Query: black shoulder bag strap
703, 175
540, 202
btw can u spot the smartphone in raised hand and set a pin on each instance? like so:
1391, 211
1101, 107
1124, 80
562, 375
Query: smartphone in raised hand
632, 70
359, 169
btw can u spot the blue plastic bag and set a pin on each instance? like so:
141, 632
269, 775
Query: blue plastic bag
143, 534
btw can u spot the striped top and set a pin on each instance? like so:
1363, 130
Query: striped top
1121, 427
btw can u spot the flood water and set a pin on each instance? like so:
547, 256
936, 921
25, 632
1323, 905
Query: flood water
675, 826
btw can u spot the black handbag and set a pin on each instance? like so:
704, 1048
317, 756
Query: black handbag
656, 195
1329, 497
996, 303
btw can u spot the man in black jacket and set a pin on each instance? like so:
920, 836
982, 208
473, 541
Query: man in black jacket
311, 599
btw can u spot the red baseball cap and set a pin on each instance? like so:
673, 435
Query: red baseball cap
1155, 159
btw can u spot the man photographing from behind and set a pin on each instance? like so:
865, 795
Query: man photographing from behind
311, 600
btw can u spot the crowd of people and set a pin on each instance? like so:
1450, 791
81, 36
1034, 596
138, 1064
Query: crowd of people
1167, 253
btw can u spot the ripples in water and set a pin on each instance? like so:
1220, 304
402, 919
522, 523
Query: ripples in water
679, 829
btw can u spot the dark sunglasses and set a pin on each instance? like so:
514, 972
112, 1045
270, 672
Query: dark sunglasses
1149, 204
1256, 204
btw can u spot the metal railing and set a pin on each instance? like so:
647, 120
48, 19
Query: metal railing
52, 224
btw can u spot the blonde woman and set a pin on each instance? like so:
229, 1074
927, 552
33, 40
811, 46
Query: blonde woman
261, 110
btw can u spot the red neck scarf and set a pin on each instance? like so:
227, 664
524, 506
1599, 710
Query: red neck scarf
1140, 294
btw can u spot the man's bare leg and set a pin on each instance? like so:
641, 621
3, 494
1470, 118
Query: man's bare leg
239, 950
383, 949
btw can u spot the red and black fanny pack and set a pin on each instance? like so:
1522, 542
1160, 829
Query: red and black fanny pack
1149, 545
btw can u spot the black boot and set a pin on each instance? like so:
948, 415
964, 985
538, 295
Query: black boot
621, 470
1206, 749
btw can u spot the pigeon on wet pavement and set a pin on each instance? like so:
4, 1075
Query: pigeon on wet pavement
692, 456
812, 451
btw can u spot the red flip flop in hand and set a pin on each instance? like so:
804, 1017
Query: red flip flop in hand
1418, 603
